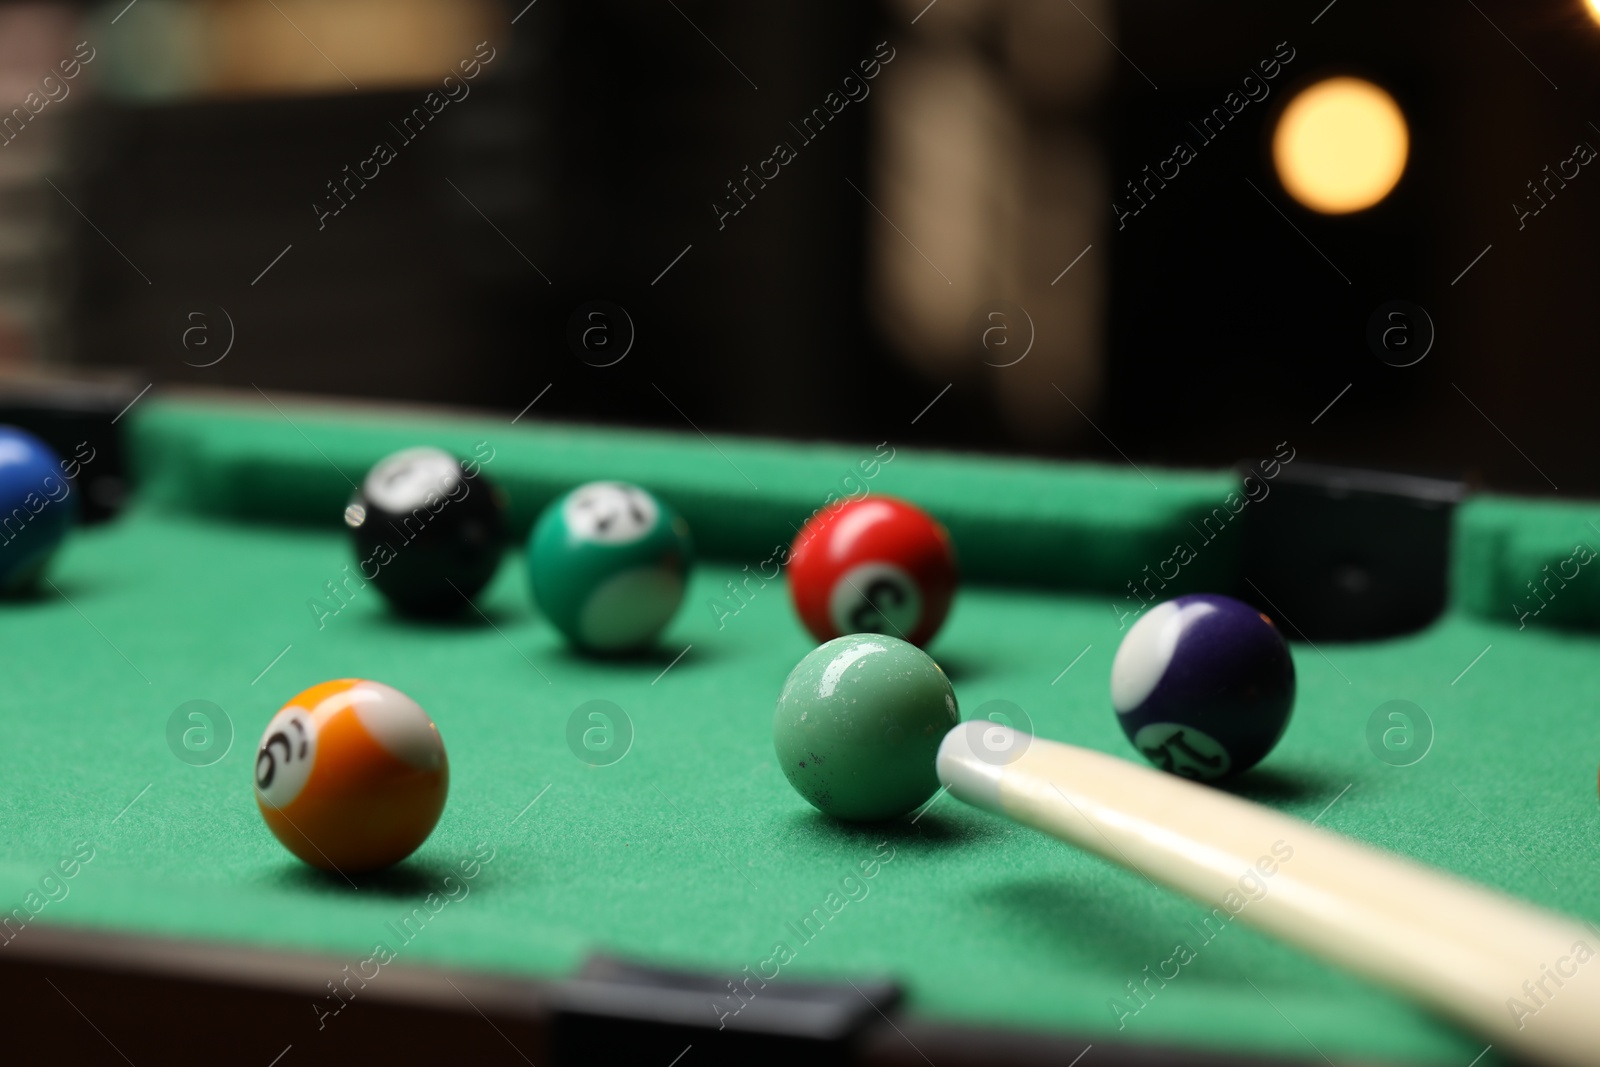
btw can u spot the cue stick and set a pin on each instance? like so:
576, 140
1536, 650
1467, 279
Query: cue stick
1459, 948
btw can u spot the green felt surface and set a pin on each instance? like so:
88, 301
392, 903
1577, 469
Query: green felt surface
693, 849
1528, 562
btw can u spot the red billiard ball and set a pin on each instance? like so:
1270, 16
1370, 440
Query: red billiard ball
876, 565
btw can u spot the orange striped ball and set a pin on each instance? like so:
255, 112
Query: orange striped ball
351, 775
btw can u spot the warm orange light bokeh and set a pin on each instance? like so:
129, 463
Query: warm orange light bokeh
1341, 145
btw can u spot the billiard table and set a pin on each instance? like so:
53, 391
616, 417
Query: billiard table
624, 882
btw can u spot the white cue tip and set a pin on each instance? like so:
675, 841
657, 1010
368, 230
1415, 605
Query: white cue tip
969, 768
1526, 979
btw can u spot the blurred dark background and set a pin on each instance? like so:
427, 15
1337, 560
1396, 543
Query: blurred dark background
934, 260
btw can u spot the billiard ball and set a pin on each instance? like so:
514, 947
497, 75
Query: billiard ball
351, 775
37, 508
1203, 686
876, 565
428, 530
609, 563
858, 725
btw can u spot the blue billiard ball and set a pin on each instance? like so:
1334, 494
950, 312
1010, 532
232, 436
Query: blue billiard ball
1203, 686
37, 507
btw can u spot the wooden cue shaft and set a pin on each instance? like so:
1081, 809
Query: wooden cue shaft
1465, 950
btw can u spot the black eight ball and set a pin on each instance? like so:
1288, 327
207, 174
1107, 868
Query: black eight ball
429, 531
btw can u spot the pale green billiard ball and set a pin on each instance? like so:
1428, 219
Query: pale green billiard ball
608, 563
859, 724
